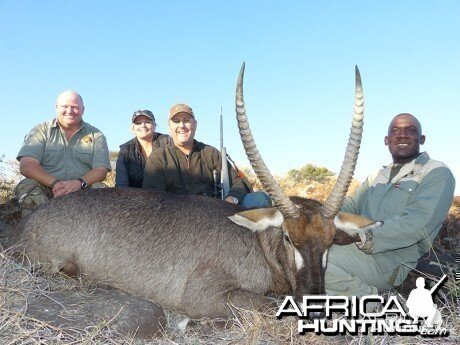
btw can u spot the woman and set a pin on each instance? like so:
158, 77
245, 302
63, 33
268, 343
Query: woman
132, 155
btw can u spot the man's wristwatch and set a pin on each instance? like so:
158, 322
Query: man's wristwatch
83, 183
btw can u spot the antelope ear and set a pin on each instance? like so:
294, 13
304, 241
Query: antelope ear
353, 224
258, 219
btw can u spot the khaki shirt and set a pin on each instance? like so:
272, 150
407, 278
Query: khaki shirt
66, 160
413, 205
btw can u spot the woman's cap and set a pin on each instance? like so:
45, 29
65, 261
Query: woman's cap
147, 113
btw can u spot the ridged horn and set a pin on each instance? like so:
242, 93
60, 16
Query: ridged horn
335, 199
282, 202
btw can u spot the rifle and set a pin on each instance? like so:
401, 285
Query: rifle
224, 174
442, 280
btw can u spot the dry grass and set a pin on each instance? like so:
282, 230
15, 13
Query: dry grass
19, 287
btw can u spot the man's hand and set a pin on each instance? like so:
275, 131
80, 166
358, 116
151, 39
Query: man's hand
65, 187
58, 189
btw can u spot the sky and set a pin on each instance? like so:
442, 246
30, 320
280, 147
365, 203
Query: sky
300, 56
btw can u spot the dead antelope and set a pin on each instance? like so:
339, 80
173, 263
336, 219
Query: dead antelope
194, 254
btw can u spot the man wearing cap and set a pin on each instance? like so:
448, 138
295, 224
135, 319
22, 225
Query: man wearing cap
186, 166
61, 156
131, 158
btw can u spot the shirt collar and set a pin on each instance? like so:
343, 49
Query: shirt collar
413, 165
422, 159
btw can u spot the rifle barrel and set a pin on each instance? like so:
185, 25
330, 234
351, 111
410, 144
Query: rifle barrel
433, 289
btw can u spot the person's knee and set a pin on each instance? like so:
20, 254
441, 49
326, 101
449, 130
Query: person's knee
257, 200
30, 194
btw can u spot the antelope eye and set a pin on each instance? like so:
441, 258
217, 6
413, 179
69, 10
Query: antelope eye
286, 238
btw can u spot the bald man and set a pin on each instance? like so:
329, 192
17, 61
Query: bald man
61, 156
412, 197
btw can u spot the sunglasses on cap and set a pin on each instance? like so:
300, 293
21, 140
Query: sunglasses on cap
146, 113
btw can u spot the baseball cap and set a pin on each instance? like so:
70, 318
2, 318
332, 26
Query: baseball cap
147, 113
180, 108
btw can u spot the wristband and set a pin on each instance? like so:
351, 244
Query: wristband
367, 246
54, 183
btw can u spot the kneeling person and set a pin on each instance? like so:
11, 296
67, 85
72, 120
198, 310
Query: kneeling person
61, 156
186, 167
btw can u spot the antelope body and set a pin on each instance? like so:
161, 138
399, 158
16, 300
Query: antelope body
182, 252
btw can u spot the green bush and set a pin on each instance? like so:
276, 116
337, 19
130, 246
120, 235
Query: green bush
309, 172
7, 183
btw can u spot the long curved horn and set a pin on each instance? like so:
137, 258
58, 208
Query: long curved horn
335, 199
282, 202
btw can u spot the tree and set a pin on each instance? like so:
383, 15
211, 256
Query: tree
309, 172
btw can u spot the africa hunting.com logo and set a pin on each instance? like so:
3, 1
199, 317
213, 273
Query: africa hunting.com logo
351, 315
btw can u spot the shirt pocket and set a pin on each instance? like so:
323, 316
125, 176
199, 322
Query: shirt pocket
83, 154
53, 156
401, 193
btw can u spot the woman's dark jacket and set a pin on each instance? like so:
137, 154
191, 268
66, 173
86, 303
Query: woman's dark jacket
131, 162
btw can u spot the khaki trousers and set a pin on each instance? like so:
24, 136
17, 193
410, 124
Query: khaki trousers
350, 272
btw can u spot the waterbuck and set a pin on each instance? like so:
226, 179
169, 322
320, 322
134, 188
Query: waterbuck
194, 254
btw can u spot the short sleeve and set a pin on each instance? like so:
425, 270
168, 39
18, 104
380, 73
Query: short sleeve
34, 144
